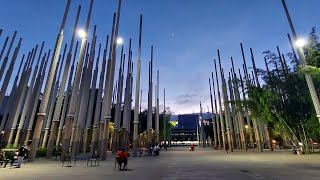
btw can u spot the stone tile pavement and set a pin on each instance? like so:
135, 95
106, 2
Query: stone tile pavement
179, 163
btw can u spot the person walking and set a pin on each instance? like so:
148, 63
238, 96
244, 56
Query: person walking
150, 149
21, 153
227, 147
157, 150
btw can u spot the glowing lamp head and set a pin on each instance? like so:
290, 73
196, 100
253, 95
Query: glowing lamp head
119, 41
82, 33
246, 126
301, 43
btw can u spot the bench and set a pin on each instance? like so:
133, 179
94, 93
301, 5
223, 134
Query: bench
95, 158
56, 153
11, 155
69, 158
5, 162
12, 161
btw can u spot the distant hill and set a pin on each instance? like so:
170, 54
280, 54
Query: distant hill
205, 115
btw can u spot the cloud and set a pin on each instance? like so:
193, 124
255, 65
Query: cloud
186, 99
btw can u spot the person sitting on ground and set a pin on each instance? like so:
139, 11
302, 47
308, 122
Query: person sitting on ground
122, 158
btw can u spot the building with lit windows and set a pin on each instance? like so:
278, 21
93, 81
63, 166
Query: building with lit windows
184, 131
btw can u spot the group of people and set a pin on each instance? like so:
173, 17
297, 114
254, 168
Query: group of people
154, 150
122, 156
17, 155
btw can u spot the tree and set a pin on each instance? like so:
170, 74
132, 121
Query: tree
283, 102
312, 50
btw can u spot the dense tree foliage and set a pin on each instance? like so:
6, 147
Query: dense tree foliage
283, 101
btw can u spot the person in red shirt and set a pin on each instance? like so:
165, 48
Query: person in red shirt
122, 158
192, 147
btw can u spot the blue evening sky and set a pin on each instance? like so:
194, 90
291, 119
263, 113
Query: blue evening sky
185, 33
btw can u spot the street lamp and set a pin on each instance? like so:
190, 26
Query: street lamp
300, 43
312, 90
82, 33
119, 41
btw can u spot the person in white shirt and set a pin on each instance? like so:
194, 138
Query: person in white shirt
157, 150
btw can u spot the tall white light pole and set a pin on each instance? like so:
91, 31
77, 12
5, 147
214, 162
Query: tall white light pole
73, 99
104, 128
136, 107
157, 109
107, 115
164, 120
149, 114
44, 104
62, 95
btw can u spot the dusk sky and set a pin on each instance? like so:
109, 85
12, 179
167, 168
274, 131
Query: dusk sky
185, 33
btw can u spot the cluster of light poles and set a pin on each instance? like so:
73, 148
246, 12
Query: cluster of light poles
72, 109
72, 104
260, 133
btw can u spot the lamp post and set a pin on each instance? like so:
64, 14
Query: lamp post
157, 109
164, 120
136, 114
98, 105
224, 139
103, 125
30, 120
5, 61
2, 134
149, 114
43, 107
73, 99
61, 95
213, 119
127, 102
300, 43
110, 81
89, 118
85, 87
117, 118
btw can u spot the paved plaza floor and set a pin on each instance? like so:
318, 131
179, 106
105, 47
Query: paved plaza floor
180, 163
